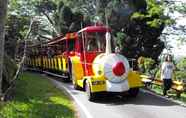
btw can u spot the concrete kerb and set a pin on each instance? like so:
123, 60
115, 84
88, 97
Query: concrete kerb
66, 93
163, 97
84, 109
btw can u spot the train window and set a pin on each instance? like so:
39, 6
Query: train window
80, 42
71, 45
81, 45
95, 42
50, 52
92, 44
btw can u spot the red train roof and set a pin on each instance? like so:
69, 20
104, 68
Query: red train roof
95, 29
56, 38
67, 36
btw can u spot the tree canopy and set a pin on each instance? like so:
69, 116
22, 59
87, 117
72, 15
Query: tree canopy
136, 24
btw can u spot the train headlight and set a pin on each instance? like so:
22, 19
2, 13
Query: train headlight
99, 72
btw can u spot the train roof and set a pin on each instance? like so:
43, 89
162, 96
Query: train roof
56, 38
95, 29
56, 41
73, 35
67, 36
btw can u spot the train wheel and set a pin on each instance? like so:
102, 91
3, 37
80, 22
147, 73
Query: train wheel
90, 95
133, 92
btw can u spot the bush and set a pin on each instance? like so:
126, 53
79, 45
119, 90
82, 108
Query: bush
181, 69
147, 65
182, 64
180, 75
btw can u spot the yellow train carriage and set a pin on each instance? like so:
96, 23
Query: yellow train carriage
88, 59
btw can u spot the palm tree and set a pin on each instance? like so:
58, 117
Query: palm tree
3, 10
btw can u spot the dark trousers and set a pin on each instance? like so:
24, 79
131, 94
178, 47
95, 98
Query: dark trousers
167, 83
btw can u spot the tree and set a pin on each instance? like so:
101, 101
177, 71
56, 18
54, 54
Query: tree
182, 65
16, 27
46, 8
147, 65
136, 24
59, 15
143, 27
3, 10
176, 9
181, 69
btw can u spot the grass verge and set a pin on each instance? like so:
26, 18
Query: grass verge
36, 97
159, 90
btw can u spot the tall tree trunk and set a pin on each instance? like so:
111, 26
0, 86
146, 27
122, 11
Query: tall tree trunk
3, 10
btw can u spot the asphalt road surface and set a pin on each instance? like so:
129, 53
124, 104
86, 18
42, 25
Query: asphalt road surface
111, 106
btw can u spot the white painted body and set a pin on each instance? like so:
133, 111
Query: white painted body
117, 87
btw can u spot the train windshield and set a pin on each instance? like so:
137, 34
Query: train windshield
95, 42
71, 45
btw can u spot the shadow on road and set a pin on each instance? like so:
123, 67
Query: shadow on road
111, 99
141, 99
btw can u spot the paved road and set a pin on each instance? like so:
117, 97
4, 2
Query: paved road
144, 106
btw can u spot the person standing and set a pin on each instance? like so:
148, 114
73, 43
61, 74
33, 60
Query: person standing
167, 70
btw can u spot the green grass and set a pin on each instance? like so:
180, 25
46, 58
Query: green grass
159, 90
36, 97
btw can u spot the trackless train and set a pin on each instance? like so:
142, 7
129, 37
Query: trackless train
86, 57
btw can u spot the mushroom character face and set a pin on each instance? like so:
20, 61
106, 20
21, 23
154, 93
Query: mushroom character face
114, 67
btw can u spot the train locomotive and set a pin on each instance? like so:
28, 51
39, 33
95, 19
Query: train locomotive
87, 59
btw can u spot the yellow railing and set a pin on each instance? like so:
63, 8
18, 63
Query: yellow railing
179, 86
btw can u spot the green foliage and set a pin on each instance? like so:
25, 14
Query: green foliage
17, 23
16, 28
158, 74
146, 65
154, 9
180, 75
159, 90
181, 8
182, 64
22, 7
36, 97
142, 21
138, 15
181, 69
155, 23
46, 6
153, 16
120, 37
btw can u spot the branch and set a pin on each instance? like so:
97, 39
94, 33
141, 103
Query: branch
49, 19
51, 22
173, 1
44, 37
25, 45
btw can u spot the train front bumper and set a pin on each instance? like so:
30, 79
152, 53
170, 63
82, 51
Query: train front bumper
107, 86
117, 87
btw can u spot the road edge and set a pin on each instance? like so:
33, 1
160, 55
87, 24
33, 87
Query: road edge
77, 102
66, 93
163, 97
